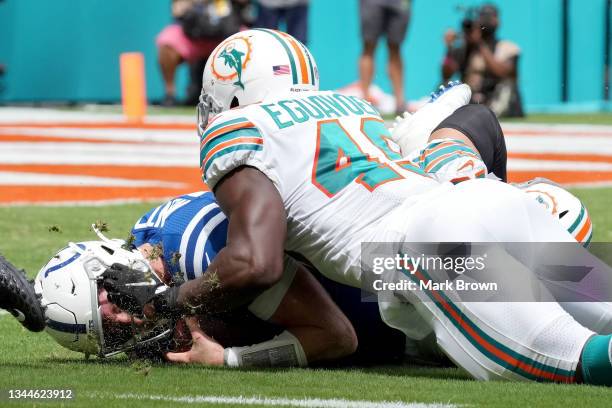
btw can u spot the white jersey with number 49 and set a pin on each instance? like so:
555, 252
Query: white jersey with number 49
330, 157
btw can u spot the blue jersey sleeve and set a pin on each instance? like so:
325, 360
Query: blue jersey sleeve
145, 231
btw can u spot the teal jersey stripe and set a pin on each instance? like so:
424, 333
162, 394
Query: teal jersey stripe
286, 47
222, 124
445, 150
248, 132
490, 340
578, 221
253, 147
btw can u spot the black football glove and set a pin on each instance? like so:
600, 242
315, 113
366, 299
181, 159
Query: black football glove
131, 290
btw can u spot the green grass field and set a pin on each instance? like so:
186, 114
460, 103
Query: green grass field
30, 235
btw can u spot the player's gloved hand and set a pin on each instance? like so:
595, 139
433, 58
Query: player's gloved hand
132, 289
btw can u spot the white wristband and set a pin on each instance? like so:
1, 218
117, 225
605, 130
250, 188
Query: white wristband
283, 350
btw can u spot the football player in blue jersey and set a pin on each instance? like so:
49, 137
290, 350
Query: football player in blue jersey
178, 240
182, 236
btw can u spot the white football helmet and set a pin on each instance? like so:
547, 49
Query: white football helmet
69, 287
563, 205
252, 65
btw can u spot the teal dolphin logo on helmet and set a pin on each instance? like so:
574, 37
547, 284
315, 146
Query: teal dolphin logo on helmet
233, 58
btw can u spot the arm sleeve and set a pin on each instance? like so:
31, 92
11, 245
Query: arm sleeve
266, 304
449, 160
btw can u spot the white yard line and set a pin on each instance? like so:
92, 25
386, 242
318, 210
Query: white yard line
98, 154
84, 203
555, 128
287, 402
13, 178
33, 115
556, 165
589, 184
174, 136
561, 144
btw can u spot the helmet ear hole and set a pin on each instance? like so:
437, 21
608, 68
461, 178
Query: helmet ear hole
107, 249
563, 213
235, 103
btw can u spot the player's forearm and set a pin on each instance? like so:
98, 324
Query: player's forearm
325, 335
320, 345
233, 279
252, 261
289, 349
284, 350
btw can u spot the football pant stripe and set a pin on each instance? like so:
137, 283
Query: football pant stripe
488, 346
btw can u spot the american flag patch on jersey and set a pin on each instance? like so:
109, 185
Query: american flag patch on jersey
281, 69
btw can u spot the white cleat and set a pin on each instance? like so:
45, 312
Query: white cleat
412, 131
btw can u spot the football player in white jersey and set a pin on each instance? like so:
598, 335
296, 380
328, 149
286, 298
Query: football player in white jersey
313, 172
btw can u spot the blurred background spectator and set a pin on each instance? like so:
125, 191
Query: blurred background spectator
293, 13
198, 27
389, 18
487, 64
